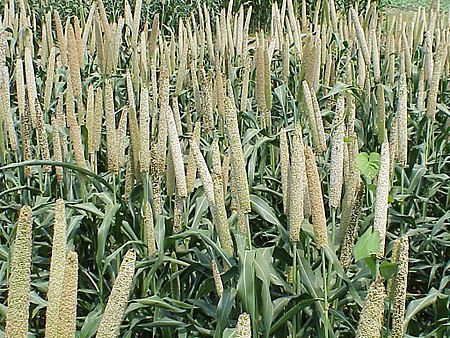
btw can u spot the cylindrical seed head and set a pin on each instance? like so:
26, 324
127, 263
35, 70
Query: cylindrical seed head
115, 308
66, 324
19, 278
337, 155
56, 276
217, 278
244, 326
296, 185
371, 319
316, 198
401, 281
382, 192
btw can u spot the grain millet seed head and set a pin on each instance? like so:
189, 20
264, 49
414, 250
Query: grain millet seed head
371, 318
115, 308
244, 326
19, 278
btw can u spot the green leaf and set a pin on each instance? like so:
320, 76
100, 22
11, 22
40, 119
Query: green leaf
415, 306
246, 284
224, 308
263, 209
302, 304
263, 261
367, 245
368, 164
370, 262
388, 269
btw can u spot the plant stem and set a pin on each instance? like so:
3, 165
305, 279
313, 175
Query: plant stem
296, 290
325, 294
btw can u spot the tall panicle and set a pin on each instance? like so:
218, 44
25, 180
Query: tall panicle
191, 169
31, 86
217, 278
111, 135
67, 316
75, 132
149, 230
319, 220
144, 130
260, 84
313, 119
435, 79
222, 219
401, 116
174, 142
205, 175
19, 278
337, 155
351, 230
381, 113
361, 36
57, 153
237, 155
401, 281
382, 192
206, 103
56, 277
371, 319
297, 183
61, 38
115, 308
285, 167
245, 83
